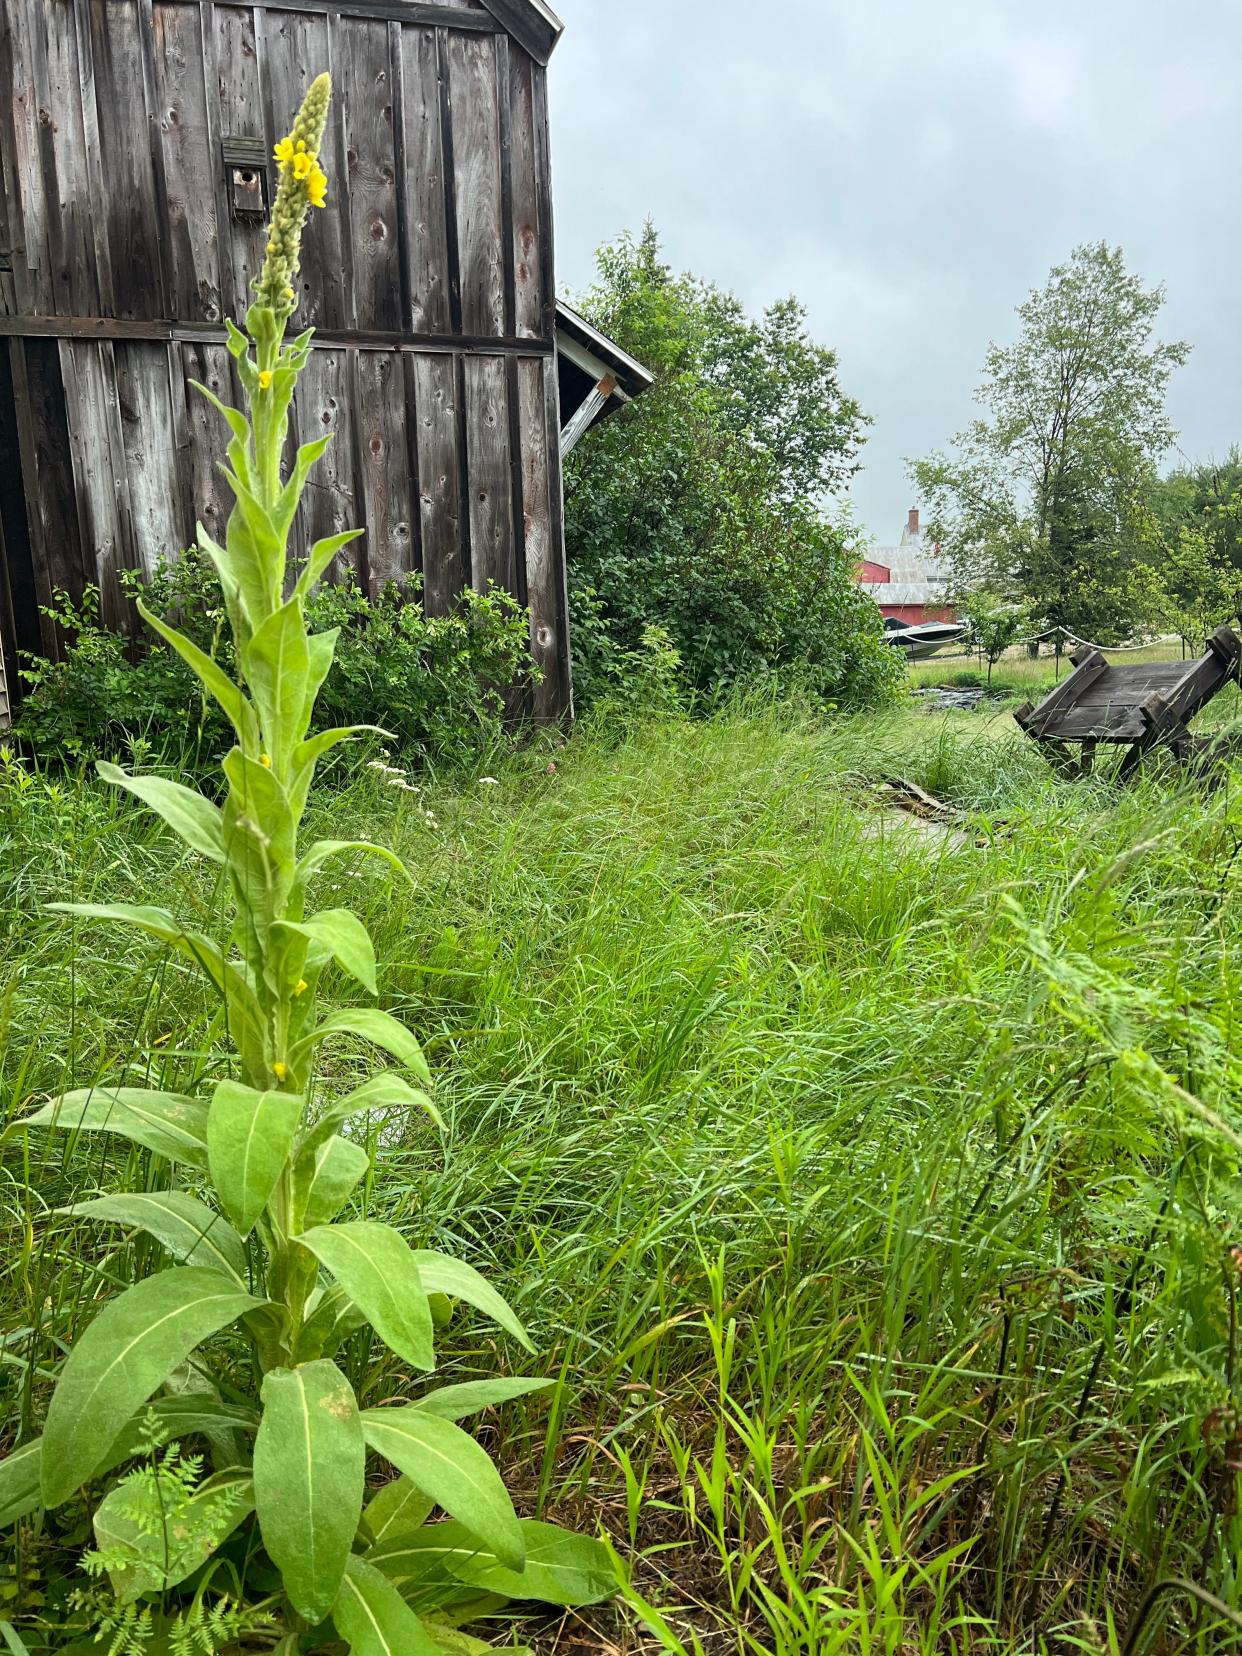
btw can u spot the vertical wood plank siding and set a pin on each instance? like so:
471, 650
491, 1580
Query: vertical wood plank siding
431, 272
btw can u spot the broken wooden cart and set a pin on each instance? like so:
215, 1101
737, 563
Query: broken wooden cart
1141, 705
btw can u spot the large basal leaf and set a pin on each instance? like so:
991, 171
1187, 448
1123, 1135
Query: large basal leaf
325, 1178
381, 1029
375, 1619
188, 1228
399, 1509
425, 1556
21, 1473
451, 1468
471, 1396
375, 1267
249, 1139
309, 1472
560, 1568
444, 1275
169, 1124
345, 938
131, 1522
195, 819
125, 1355
21, 1483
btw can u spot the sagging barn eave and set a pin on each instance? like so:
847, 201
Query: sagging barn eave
134, 137
597, 378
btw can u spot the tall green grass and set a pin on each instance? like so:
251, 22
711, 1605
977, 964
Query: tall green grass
869, 1191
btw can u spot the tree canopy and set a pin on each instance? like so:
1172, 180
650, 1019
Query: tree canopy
700, 509
1036, 496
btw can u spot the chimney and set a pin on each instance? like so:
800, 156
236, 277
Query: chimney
912, 523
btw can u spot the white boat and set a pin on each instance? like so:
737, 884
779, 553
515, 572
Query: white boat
924, 638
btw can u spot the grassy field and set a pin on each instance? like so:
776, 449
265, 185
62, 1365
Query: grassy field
1017, 672
871, 1193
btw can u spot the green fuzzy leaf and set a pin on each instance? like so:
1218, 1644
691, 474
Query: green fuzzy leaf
162, 1555
21, 1485
320, 852
191, 1232
331, 1317
250, 1138
380, 1028
375, 1267
168, 1124
560, 1568
21, 1473
450, 1468
443, 1275
291, 495
321, 649
418, 1557
375, 1619
278, 667
388, 1091
325, 1178
211, 676
399, 1509
471, 1396
346, 939
124, 1356
309, 1472
319, 557
195, 819
239, 425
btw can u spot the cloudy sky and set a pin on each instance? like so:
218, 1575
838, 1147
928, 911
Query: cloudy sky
910, 169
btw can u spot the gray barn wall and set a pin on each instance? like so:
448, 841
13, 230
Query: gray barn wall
429, 279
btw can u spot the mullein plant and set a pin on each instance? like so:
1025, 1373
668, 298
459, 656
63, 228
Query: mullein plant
264, 1259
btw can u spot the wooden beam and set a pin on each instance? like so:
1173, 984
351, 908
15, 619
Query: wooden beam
587, 415
393, 11
1091, 667
164, 332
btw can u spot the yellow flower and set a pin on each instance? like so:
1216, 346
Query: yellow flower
301, 989
280, 1071
302, 165
317, 188
265, 384
285, 151
265, 759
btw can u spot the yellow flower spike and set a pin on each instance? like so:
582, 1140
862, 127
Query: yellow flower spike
265, 384
299, 190
301, 989
265, 759
280, 1071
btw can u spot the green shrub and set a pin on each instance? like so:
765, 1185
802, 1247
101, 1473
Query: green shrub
431, 681
698, 509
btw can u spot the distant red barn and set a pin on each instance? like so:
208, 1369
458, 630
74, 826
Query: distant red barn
913, 584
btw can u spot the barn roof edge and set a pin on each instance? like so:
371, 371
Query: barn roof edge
532, 23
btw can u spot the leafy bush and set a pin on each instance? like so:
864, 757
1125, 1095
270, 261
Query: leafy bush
431, 681
696, 508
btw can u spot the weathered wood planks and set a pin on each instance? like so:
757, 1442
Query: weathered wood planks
429, 279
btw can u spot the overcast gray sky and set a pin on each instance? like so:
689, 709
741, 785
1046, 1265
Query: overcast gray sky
910, 169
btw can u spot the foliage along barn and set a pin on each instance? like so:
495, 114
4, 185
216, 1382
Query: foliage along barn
136, 139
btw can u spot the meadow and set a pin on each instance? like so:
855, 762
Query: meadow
871, 1194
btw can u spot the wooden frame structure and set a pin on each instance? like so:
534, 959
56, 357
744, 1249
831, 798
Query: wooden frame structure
1140, 705
135, 179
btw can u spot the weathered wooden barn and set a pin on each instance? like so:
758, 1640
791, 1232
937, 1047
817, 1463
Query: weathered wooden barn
135, 145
